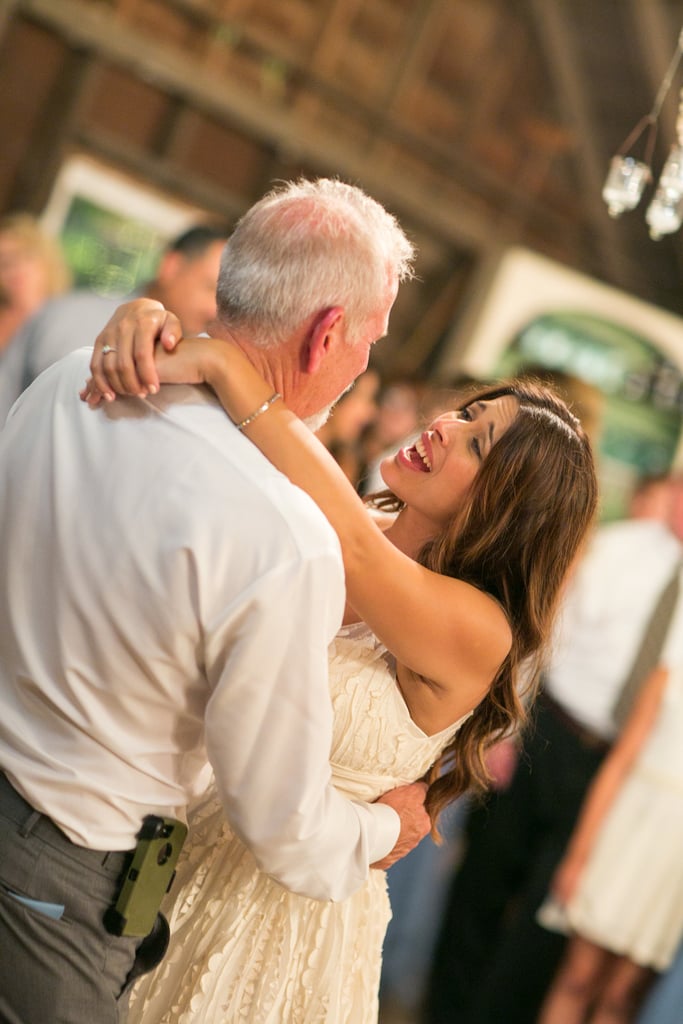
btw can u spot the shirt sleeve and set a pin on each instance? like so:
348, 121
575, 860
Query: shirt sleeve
269, 730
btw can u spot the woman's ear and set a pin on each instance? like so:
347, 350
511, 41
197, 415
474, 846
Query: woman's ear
326, 326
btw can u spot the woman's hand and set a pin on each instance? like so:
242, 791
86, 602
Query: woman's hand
192, 361
123, 360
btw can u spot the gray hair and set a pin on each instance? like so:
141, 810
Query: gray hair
307, 246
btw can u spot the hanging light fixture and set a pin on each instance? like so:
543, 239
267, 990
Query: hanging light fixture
628, 176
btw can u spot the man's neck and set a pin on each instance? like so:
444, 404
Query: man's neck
278, 364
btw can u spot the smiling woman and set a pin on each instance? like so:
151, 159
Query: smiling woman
491, 505
451, 451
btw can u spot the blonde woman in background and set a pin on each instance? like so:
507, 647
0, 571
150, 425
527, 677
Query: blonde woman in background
32, 270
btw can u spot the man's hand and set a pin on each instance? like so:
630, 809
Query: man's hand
408, 802
123, 357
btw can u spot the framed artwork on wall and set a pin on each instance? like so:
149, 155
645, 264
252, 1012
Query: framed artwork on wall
112, 227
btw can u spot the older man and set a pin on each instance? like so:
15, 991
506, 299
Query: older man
165, 595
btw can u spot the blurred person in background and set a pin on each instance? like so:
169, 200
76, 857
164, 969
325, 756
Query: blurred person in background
185, 281
618, 892
32, 270
620, 895
397, 419
353, 414
651, 497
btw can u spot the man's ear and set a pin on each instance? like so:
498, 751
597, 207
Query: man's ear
326, 326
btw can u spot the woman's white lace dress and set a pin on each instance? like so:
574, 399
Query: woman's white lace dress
245, 949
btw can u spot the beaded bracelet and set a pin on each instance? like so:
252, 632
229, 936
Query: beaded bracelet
257, 412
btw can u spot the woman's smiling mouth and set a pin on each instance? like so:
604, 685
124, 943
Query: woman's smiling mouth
418, 456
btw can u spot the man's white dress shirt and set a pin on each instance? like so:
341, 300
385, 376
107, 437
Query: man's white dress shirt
606, 609
166, 594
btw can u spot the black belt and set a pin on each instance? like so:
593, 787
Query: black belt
586, 737
25, 816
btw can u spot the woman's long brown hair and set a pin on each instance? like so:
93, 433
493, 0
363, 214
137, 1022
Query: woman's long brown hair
524, 519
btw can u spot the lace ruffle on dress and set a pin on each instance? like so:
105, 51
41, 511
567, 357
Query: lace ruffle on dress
245, 949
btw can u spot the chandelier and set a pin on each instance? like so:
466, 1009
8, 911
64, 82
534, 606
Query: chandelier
628, 176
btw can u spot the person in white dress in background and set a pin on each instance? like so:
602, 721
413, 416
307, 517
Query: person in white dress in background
618, 892
492, 504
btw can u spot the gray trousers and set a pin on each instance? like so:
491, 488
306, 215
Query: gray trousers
57, 966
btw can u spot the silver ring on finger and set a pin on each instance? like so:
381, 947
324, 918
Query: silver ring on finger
106, 349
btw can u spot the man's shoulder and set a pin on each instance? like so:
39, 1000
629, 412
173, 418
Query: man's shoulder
238, 482
252, 527
287, 510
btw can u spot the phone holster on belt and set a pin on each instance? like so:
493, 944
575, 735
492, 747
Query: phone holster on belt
147, 877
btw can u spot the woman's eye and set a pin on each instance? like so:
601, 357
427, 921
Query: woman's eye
465, 414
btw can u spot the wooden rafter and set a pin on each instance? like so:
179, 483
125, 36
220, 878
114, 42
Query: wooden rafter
564, 64
459, 220
101, 32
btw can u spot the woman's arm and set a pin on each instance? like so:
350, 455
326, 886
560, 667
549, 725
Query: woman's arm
607, 783
440, 628
383, 520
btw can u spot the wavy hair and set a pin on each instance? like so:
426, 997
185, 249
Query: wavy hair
518, 531
305, 246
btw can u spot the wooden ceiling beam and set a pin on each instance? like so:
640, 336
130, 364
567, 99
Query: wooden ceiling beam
420, 29
290, 132
53, 130
333, 33
97, 29
193, 190
558, 29
7, 8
